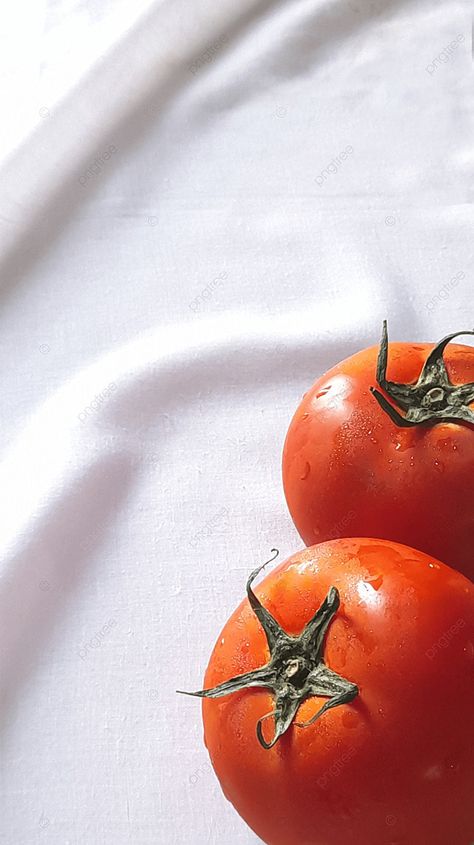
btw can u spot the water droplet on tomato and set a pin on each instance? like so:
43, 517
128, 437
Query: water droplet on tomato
305, 416
451, 766
306, 471
349, 720
447, 442
444, 442
403, 440
470, 650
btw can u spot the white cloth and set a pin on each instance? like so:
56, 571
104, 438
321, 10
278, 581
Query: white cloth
183, 250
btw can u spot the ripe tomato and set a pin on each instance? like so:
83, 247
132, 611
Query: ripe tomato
401, 467
395, 763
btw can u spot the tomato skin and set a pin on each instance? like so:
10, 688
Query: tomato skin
396, 765
348, 469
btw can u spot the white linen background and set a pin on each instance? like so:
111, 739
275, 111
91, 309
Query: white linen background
105, 517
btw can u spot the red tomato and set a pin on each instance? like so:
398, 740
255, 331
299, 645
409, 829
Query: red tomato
395, 765
352, 467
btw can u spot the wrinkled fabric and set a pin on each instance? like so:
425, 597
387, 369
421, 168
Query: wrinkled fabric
203, 207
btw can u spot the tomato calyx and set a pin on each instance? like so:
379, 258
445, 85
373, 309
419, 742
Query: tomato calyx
296, 670
433, 399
